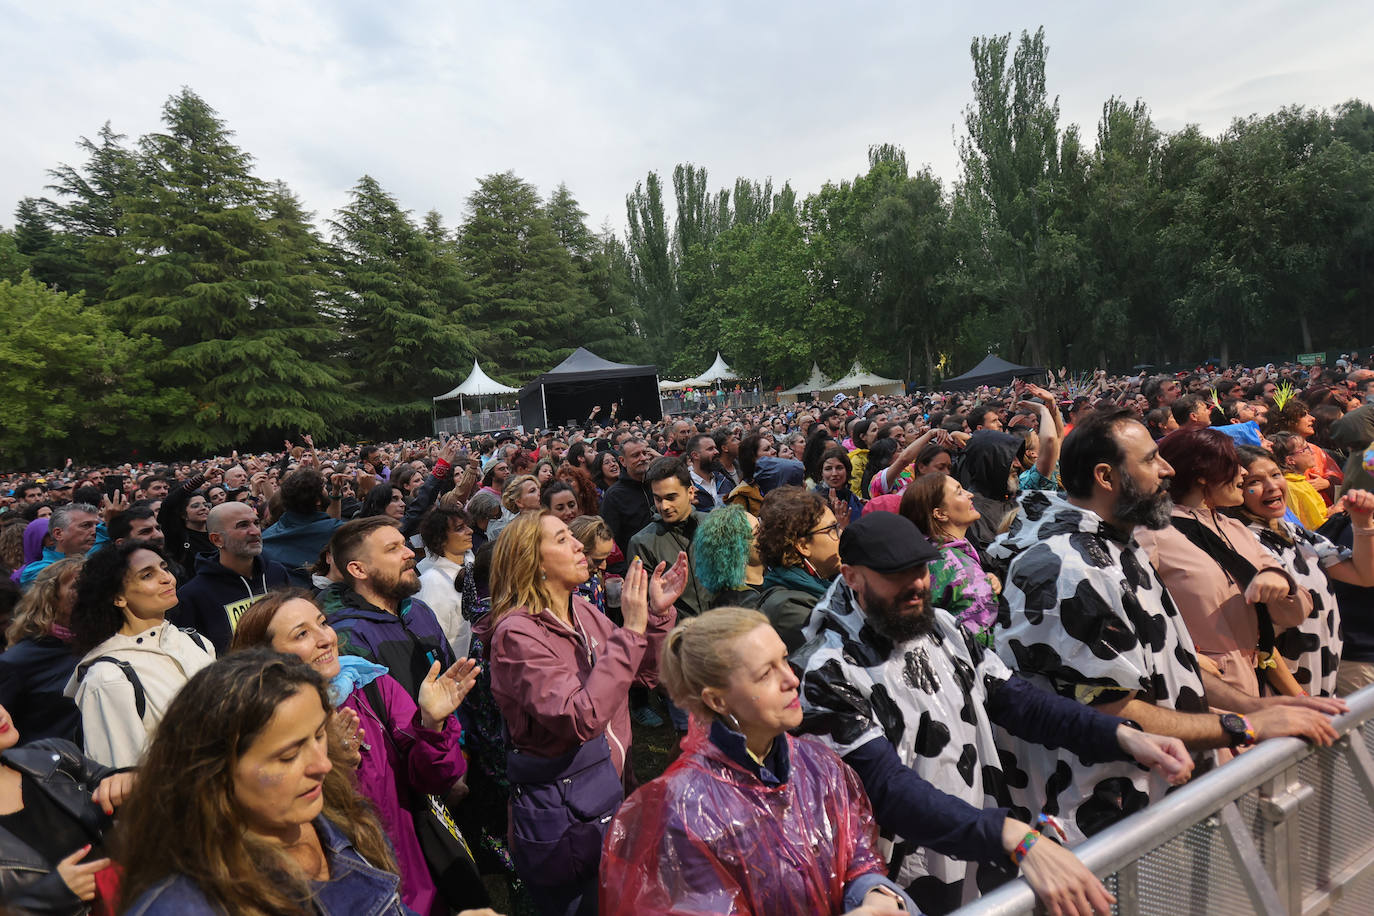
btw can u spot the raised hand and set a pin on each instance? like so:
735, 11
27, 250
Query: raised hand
666, 587
441, 694
634, 597
111, 506
346, 733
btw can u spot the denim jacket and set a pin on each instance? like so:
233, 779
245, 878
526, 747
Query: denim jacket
355, 888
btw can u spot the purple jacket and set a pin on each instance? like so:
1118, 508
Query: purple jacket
559, 687
401, 762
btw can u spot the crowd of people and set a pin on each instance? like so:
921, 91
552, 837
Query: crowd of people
911, 647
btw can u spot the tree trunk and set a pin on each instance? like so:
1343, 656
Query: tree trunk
1306, 332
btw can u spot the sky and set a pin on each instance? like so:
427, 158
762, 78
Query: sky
428, 97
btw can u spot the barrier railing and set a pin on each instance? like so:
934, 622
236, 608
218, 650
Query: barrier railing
1282, 829
477, 422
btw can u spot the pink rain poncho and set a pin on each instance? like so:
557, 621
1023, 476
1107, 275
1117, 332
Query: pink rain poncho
709, 837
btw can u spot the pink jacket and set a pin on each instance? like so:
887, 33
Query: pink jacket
557, 687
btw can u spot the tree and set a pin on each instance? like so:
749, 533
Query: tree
401, 308
88, 207
73, 384
54, 257
205, 274
652, 271
530, 294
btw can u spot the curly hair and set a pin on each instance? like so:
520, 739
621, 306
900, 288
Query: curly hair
187, 779
38, 610
435, 526
303, 491
581, 482
96, 617
720, 549
788, 513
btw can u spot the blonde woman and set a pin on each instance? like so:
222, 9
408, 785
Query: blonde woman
748, 819
520, 495
561, 674
39, 661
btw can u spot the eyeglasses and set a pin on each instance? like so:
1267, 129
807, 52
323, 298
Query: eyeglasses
832, 529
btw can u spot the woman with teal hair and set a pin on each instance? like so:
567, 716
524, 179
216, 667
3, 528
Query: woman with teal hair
726, 557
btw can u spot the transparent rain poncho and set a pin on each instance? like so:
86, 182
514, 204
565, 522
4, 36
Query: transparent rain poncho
710, 837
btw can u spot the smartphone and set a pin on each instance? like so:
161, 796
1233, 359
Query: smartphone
114, 483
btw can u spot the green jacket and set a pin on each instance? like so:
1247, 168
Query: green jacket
659, 542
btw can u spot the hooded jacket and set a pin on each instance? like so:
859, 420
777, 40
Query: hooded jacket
34, 533
559, 687
984, 469
407, 642
216, 597
295, 542
33, 673
29, 883
163, 659
660, 542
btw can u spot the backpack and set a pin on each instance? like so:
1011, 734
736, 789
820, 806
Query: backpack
140, 698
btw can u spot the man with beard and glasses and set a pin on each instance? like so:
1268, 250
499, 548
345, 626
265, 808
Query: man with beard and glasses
225, 584
1090, 619
910, 700
373, 610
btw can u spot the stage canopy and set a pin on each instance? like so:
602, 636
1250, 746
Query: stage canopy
860, 379
993, 371
566, 394
477, 383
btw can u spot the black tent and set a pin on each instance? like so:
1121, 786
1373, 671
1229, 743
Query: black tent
566, 394
993, 371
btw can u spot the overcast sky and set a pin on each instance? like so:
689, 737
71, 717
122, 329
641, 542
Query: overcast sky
427, 97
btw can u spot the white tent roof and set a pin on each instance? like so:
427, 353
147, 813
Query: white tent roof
477, 383
718, 372
815, 382
859, 377
668, 384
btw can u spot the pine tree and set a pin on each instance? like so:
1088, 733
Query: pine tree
529, 292
208, 271
400, 306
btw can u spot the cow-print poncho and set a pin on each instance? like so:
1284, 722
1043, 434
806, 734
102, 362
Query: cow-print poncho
1313, 647
1088, 617
928, 698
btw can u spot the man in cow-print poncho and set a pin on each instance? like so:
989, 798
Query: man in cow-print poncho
909, 699
1089, 618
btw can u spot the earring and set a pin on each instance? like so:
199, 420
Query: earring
733, 722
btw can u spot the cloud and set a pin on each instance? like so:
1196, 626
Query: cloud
430, 96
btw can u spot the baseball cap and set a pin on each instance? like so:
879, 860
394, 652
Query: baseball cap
885, 542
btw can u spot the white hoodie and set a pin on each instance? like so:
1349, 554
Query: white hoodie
164, 658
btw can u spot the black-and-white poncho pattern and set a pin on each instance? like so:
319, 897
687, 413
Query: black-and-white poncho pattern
1088, 617
928, 697
1312, 648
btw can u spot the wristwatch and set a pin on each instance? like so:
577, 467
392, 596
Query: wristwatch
1238, 729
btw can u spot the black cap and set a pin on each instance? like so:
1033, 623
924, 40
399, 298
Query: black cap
885, 542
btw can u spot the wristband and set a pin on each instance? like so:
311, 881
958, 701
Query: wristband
1023, 847
1250, 737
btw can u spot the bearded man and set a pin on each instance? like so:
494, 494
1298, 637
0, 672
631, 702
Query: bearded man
373, 610
1090, 620
910, 699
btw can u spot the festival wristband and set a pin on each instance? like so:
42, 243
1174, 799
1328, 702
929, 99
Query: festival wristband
1024, 847
1250, 736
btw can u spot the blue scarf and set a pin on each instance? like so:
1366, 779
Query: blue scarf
354, 672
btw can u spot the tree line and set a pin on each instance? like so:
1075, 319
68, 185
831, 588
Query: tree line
161, 295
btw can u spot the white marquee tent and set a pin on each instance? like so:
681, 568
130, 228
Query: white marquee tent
477, 383
814, 383
860, 380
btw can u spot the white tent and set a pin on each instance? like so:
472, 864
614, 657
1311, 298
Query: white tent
719, 372
476, 384
814, 383
860, 379
670, 385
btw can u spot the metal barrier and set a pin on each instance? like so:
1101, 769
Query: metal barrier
702, 401
477, 422
1282, 829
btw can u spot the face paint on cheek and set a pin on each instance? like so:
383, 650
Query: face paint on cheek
268, 778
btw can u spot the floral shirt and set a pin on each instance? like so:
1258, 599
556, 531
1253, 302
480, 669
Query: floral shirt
959, 585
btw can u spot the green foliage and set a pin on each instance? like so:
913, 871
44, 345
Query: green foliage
73, 383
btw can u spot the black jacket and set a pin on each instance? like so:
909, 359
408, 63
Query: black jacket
28, 882
627, 507
659, 542
33, 674
216, 597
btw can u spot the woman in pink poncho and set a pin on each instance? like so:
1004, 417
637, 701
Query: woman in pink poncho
749, 820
